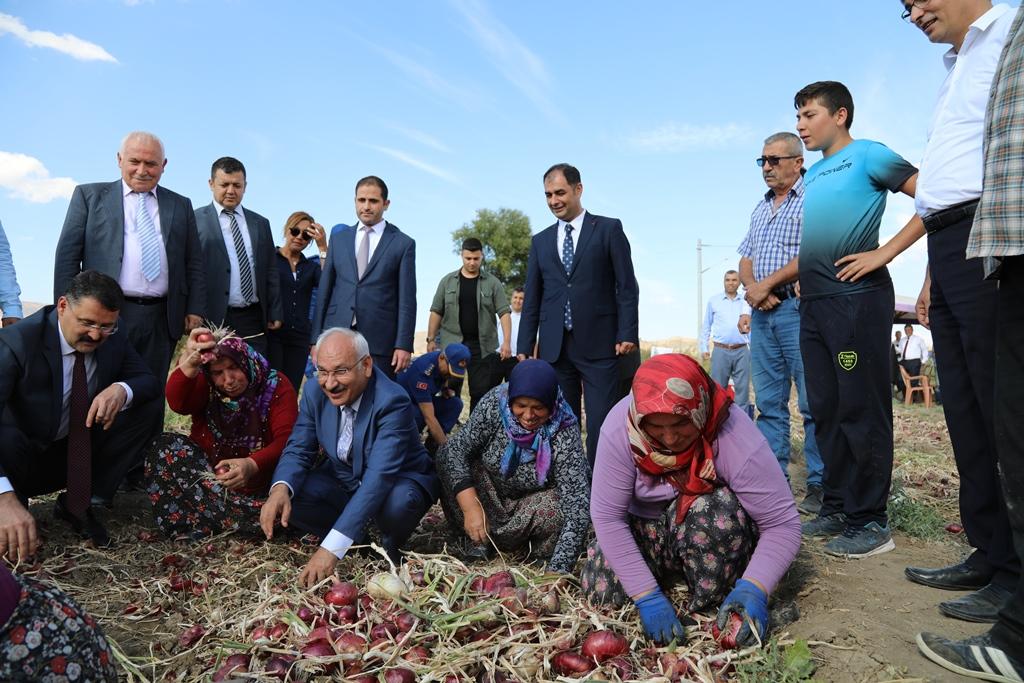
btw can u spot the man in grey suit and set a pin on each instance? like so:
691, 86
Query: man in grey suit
144, 237
369, 281
242, 285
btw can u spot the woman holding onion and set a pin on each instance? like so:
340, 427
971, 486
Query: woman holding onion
686, 484
242, 415
516, 474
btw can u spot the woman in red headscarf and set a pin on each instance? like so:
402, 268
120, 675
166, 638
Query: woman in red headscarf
243, 411
685, 484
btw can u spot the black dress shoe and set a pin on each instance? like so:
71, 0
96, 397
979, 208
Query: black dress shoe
981, 606
956, 577
88, 528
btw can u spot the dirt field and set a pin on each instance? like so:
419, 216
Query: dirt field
859, 617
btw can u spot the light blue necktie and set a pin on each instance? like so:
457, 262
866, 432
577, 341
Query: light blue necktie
345, 433
149, 238
567, 255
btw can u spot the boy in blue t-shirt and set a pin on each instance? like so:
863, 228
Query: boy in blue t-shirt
846, 314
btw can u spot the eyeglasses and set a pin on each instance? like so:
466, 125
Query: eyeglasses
337, 373
773, 161
105, 330
296, 232
919, 4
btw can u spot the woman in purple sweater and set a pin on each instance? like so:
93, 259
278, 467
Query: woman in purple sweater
685, 484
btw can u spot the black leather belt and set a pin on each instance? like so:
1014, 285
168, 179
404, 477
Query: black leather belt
783, 294
951, 216
243, 308
146, 300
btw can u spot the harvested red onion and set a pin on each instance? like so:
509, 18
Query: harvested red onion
569, 662
602, 645
343, 593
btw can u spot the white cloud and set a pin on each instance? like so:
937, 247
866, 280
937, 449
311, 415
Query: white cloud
676, 137
66, 43
417, 163
429, 79
516, 62
422, 138
26, 178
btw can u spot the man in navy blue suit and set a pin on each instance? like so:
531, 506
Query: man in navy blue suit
582, 296
369, 280
376, 467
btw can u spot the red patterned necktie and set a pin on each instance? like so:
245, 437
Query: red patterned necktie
79, 442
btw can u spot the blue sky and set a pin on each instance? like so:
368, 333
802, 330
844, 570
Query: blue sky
458, 105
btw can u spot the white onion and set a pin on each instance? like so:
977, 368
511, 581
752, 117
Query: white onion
386, 586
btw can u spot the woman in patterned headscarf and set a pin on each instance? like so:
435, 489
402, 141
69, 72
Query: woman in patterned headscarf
685, 484
517, 475
242, 415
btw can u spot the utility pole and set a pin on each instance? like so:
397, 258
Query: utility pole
701, 245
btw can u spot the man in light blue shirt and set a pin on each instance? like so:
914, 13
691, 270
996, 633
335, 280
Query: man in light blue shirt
732, 348
10, 292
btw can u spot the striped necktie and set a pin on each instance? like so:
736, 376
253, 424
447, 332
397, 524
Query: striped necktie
244, 267
149, 239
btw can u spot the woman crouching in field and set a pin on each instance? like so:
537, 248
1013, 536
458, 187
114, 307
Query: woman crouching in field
216, 479
685, 484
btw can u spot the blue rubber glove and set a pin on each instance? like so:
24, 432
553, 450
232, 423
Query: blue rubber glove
659, 618
751, 604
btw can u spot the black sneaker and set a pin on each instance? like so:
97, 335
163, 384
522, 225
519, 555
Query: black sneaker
811, 504
863, 541
824, 527
976, 657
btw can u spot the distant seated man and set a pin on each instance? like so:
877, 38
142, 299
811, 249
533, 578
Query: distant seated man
435, 396
376, 467
77, 405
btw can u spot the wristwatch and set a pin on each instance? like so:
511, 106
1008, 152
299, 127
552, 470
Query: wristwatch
323, 254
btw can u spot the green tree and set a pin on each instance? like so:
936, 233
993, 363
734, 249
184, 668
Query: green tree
506, 235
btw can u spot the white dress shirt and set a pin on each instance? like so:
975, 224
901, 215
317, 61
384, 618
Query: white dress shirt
235, 298
375, 233
951, 168
514, 341
577, 228
335, 541
131, 279
914, 348
67, 354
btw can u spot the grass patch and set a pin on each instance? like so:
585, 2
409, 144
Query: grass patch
914, 517
779, 664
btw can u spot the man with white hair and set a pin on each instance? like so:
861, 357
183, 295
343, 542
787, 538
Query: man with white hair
145, 237
376, 467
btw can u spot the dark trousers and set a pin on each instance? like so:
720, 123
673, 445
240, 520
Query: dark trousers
36, 469
480, 373
288, 357
963, 326
146, 328
503, 369
322, 498
1009, 430
247, 323
844, 342
590, 382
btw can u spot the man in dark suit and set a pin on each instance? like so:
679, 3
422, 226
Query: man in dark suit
582, 296
76, 401
242, 284
369, 281
110, 227
376, 467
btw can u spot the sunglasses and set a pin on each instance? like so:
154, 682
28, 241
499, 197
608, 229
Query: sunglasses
296, 232
773, 161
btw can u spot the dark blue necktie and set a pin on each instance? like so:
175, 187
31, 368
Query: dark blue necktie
567, 253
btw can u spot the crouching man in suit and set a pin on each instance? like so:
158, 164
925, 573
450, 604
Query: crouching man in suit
376, 467
77, 404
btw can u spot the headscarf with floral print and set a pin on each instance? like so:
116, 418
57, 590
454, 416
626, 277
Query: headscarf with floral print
675, 384
241, 421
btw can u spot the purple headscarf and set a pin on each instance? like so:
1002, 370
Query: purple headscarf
240, 421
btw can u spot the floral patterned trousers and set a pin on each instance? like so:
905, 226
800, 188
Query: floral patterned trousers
49, 638
187, 500
709, 550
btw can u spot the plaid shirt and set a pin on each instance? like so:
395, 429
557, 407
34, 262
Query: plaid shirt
999, 221
774, 236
